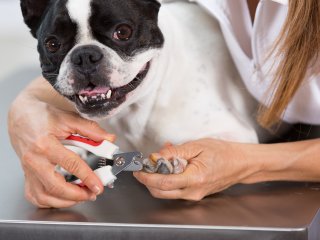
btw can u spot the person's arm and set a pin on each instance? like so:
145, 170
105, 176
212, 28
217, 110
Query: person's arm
41, 90
294, 161
38, 119
216, 165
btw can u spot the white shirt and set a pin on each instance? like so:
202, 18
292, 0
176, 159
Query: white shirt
249, 46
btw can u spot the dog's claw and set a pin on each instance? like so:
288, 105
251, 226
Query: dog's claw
164, 166
179, 165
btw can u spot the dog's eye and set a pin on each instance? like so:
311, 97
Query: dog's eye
53, 45
123, 32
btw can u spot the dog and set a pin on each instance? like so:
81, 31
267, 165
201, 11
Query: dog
149, 72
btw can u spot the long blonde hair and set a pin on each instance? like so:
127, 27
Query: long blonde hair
298, 45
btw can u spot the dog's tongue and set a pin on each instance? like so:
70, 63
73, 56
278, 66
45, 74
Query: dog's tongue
94, 91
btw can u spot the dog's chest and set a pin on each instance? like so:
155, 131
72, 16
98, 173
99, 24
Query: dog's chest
199, 93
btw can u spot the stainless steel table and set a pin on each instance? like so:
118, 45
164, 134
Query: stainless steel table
262, 211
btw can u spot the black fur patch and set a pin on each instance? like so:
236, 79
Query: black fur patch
49, 18
141, 15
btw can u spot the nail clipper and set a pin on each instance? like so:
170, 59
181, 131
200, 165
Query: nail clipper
106, 151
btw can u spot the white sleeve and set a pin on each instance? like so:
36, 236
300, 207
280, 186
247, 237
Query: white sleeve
167, 1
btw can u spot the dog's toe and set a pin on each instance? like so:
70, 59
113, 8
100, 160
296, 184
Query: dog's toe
164, 166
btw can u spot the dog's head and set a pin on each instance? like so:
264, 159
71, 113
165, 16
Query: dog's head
97, 53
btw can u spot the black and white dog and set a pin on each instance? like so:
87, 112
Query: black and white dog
151, 76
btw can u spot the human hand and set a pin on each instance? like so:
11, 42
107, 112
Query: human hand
214, 165
36, 129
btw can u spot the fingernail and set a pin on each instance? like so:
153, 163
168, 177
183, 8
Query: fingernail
93, 198
167, 144
137, 174
111, 138
154, 157
96, 190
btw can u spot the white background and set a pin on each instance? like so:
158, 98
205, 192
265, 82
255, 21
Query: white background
17, 46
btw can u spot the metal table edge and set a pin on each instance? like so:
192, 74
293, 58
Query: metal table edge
314, 227
159, 226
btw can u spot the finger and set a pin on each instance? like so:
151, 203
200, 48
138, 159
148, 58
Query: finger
189, 194
90, 129
167, 144
186, 151
174, 194
168, 182
59, 155
55, 185
38, 197
30, 197
43, 172
47, 201
68, 191
34, 202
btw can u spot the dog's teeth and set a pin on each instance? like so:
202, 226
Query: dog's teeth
109, 93
86, 99
82, 99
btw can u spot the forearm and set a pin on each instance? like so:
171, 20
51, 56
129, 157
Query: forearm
295, 161
41, 90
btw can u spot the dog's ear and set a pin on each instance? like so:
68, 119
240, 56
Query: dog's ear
153, 6
156, 3
32, 11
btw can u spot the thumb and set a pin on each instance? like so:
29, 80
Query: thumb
186, 151
90, 129
167, 144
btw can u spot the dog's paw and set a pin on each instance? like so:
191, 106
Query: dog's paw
157, 164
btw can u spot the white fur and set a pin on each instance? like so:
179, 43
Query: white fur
80, 12
123, 71
192, 89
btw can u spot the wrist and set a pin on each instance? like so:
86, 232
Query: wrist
40, 90
267, 160
294, 161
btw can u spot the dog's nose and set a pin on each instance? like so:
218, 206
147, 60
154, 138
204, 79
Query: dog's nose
86, 58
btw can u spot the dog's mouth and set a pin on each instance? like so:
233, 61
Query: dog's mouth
95, 98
